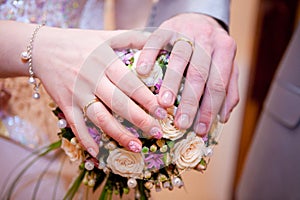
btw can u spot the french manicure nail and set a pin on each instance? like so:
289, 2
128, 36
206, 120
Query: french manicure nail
200, 128
134, 146
167, 97
143, 69
160, 113
156, 132
183, 121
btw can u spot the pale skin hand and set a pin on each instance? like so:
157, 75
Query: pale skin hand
73, 77
211, 73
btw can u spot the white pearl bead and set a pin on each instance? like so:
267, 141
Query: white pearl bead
73, 141
31, 80
101, 165
89, 165
131, 183
36, 95
24, 56
62, 123
91, 182
177, 182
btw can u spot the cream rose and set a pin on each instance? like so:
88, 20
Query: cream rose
155, 75
74, 153
126, 163
169, 130
188, 152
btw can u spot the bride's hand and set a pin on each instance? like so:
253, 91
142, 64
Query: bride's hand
75, 66
206, 51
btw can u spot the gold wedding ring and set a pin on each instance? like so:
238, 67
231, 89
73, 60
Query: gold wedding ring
184, 40
88, 105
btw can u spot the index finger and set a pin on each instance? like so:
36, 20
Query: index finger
157, 41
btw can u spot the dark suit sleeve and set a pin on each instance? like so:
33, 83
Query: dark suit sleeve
165, 9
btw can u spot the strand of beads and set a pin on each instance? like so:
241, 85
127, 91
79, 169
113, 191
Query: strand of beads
26, 56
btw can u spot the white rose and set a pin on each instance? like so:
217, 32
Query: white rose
169, 130
126, 163
74, 153
155, 75
188, 152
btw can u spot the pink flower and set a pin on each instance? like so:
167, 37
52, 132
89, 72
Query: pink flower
95, 134
157, 86
154, 160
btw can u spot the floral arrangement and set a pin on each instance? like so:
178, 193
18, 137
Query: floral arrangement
160, 162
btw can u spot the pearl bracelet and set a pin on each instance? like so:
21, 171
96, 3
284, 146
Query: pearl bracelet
26, 56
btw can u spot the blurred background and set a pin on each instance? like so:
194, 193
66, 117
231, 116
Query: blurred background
262, 30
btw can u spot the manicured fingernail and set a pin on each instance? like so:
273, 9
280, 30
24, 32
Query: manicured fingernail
143, 69
134, 146
92, 152
160, 113
200, 128
156, 133
167, 97
183, 121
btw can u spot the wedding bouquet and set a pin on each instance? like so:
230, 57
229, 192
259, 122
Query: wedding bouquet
160, 162
116, 170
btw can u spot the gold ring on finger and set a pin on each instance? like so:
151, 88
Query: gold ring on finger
84, 110
184, 40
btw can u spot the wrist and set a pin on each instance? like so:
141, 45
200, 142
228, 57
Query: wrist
14, 40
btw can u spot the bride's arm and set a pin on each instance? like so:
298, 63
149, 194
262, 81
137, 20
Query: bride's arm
75, 66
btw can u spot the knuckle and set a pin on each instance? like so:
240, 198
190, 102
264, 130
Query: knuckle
150, 104
229, 44
143, 122
197, 75
206, 116
188, 102
101, 117
208, 30
119, 105
110, 70
121, 137
217, 86
180, 56
153, 41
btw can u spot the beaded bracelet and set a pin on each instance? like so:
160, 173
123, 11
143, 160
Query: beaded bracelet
26, 56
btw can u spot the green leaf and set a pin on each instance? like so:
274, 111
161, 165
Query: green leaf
143, 190
170, 144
